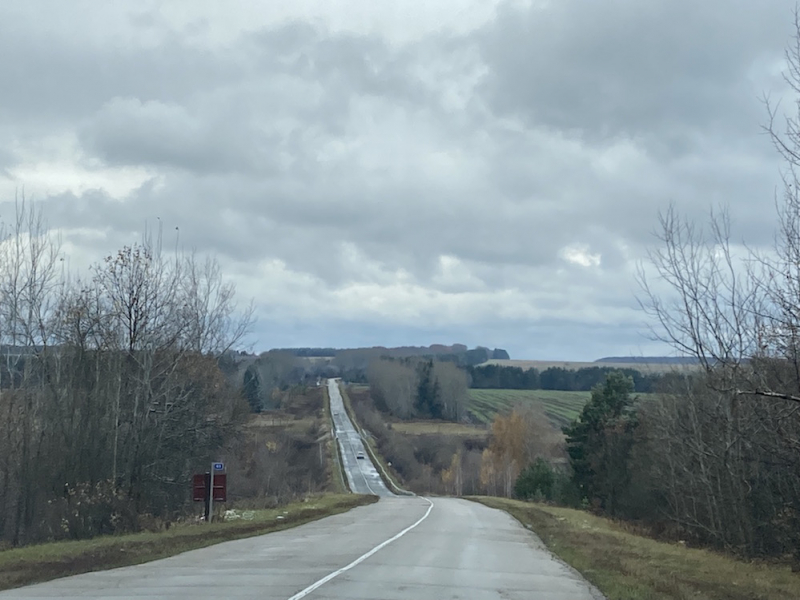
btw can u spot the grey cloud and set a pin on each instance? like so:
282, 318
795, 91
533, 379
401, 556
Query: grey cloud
345, 64
57, 76
656, 69
290, 87
349, 160
127, 131
7, 159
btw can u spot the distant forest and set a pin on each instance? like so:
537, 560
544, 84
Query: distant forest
260, 377
555, 378
457, 353
400, 351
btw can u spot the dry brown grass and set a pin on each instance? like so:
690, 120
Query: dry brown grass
625, 566
440, 427
276, 420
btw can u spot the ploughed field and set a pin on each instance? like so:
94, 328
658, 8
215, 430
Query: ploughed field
559, 406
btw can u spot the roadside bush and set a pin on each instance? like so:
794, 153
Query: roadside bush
399, 451
541, 482
275, 467
86, 510
537, 477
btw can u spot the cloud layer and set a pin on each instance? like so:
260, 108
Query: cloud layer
472, 172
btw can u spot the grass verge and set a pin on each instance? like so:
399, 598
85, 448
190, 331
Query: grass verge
334, 459
43, 562
625, 566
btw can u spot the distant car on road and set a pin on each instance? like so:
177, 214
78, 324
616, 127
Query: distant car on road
360, 456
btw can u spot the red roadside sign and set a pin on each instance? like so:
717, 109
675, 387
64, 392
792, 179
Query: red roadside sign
199, 487
200, 483
218, 482
221, 488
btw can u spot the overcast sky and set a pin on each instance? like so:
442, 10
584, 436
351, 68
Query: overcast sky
392, 173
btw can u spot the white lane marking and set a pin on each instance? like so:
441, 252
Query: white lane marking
341, 432
350, 444
364, 477
358, 465
360, 559
350, 479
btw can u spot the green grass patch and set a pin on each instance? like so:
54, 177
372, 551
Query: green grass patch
625, 566
43, 562
560, 407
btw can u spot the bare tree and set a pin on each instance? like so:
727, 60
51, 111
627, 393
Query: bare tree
725, 442
29, 255
28, 278
212, 319
110, 388
453, 387
737, 310
393, 385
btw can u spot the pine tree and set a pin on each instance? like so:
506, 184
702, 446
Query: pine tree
599, 443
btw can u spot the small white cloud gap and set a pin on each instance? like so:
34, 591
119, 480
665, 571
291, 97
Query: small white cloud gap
579, 254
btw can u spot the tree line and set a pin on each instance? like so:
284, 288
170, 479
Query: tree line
693, 463
111, 392
713, 459
556, 378
418, 388
351, 364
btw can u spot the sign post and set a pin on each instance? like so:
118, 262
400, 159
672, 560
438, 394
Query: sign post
210, 486
216, 468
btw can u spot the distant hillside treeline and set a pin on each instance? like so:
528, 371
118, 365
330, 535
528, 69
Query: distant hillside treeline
554, 378
262, 377
308, 352
457, 353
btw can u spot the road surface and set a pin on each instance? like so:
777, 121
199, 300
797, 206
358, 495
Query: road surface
402, 548
362, 476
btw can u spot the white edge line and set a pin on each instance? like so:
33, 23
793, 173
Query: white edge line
364, 477
353, 450
360, 559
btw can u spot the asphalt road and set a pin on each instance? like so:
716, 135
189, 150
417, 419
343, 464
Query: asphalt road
402, 548
362, 476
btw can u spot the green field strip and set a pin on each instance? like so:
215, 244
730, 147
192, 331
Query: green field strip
561, 407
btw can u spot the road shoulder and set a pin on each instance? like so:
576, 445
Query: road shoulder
623, 565
45, 562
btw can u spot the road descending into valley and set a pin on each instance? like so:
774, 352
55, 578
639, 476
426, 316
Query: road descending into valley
402, 548
362, 476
